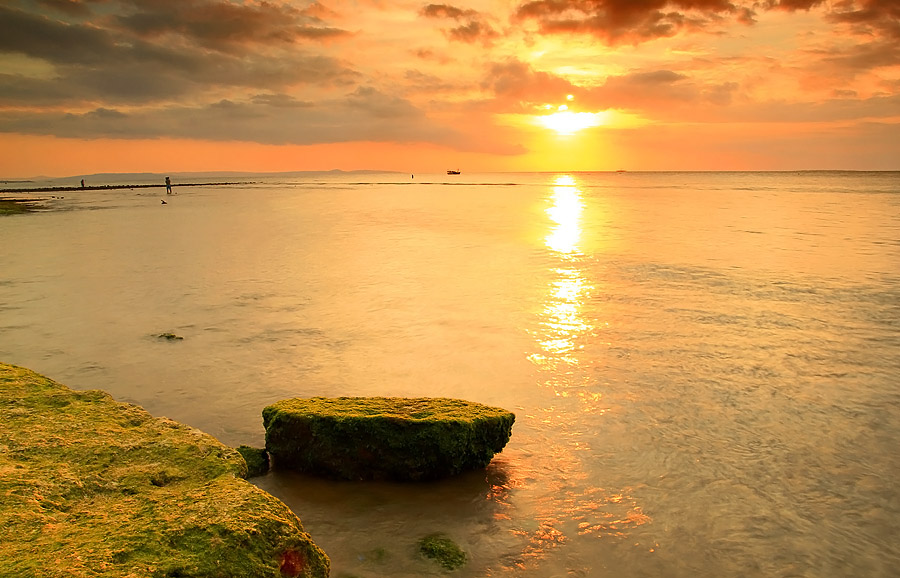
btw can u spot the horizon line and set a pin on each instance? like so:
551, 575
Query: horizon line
383, 171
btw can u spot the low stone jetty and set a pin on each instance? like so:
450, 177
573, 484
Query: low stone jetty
384, 438
115, 186
90, 487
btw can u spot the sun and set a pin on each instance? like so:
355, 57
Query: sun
565, 122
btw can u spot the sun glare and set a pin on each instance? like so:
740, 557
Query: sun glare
566, 122
566, 213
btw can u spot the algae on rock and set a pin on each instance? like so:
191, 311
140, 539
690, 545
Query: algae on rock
93, 487
257, 460
443, 550
389, 438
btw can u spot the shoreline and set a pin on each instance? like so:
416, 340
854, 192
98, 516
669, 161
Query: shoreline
77, 463
111, 187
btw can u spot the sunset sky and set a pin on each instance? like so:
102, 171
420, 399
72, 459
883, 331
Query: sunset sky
536, 85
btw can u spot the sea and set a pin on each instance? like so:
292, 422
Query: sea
704, 366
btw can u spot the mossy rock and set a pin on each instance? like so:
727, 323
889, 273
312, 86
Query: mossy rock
384, 438
170, 337
10, 207
257, 460
443, 550
93, 487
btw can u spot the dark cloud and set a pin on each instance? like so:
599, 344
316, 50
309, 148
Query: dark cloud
41, 37
446, 11
873, 16
70, 7
875, 23
225, 26
427, 54
866, 56
130, 67
792, 5
364, 114
627, 21
472, 26
16, 90
880, 17
379, 105
114, 65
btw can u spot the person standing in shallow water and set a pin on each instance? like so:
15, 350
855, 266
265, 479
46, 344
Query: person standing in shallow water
168, 186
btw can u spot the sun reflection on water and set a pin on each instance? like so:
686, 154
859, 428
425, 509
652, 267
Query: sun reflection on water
566, 213
568, 503
562, 321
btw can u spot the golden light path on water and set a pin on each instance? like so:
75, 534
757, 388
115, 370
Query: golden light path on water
562, 319
563, 513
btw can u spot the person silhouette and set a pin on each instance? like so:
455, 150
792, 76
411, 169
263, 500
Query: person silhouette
168, 186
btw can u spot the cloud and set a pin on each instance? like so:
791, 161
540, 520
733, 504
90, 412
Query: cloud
364, 114
878, 17
56, 41
223, 26
472, 25
874, 23
792, 5
70, 7
626, 21
517, 87
112, 65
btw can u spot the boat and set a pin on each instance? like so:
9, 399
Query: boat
452, 172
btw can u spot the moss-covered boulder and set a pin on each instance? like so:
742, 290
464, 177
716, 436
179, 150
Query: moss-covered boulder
443, 550
384, 438
92, 487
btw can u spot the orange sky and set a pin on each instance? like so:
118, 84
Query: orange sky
192, 85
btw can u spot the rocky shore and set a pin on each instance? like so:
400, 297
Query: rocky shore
94, 487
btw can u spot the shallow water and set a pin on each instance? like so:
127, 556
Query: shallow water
703, 366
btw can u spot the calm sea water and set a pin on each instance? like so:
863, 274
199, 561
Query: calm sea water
704, 366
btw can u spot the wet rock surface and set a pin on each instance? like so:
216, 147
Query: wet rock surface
384, 438
93, 487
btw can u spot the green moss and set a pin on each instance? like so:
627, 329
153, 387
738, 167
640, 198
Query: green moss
14, 207
257, 460
442, 550
92, 487
170, 336
384, 438
379, 555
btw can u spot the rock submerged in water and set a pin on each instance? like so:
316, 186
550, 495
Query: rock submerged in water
257, 460
384, 438
443, 550
169, 336
93, 487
